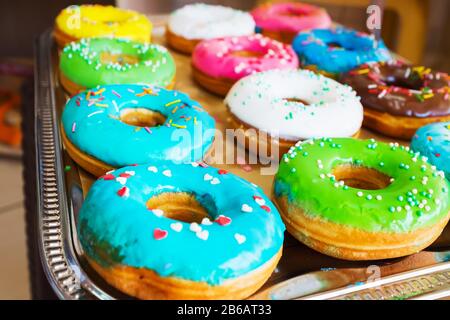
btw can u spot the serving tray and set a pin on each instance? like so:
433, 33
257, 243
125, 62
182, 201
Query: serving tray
301, 273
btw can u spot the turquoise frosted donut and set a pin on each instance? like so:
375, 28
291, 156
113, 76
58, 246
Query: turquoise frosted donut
118, 229
433, 141
91, 122
338, 50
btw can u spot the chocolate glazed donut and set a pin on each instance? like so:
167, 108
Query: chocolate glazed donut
399, 98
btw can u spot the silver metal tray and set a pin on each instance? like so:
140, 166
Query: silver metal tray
301, 274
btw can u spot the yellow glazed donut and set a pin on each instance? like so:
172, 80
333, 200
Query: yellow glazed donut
89, 21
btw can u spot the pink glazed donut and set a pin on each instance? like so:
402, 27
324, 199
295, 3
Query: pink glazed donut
218, 63
282, 21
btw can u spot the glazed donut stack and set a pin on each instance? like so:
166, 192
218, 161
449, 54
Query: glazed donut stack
159, 223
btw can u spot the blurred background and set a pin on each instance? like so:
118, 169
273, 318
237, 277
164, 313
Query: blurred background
417, 30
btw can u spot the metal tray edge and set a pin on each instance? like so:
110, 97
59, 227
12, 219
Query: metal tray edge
50, 185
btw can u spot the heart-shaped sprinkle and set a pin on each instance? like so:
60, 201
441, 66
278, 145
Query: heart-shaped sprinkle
159, 234
206, 221
240, 238
153, 169
223, 220
265, 208
130, 172
176, 226
207, 177
194, 164
215, 181
108, 177
195, 227
246, 208
260, 201
158, 212
167, 173
121, 180
123, 192
124, 175
222, 171
204, 234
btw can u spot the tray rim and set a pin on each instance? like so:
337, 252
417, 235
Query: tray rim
56, 248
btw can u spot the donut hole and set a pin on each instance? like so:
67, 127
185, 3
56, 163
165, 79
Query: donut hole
247, 54
141, 117
297, 100
107, 57
360, 177
411, 84
335, 45
180, 206
294, 12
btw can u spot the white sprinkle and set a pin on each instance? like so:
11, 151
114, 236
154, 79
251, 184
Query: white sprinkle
153, 169
206, 221
215, 181
94, 113
115, 105
204, 234
158, 212
176, 226
240, 238
195, 227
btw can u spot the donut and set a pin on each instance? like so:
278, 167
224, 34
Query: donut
92, 62
292, 105
218, 63
282, 21
361, 199
95, 21
333, 51
186, 231
433, 142
399, 98
118, 125
193, 23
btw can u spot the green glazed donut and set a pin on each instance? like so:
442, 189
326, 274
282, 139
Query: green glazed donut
361, 188
100, 61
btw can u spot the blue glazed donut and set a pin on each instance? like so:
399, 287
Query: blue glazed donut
123, 227
433, 142
338, 50
93, 126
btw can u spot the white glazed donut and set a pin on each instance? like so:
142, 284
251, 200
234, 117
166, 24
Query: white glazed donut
262, 101
202, 21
